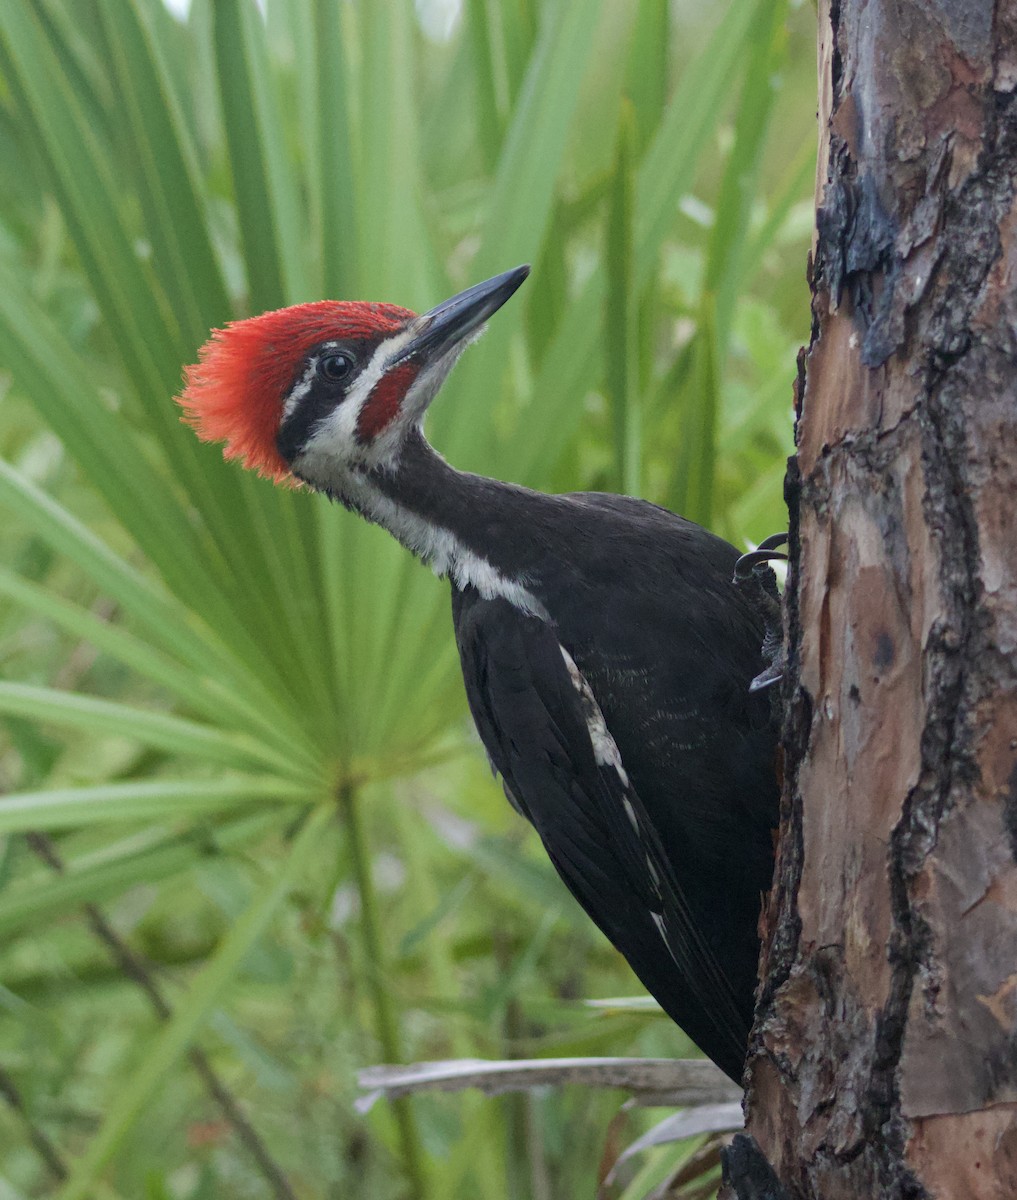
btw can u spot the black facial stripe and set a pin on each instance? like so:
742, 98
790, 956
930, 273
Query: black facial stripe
320, 399
296, 430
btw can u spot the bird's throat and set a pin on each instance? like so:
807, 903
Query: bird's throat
435, 512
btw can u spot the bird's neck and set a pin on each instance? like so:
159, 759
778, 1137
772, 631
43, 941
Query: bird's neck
459, 524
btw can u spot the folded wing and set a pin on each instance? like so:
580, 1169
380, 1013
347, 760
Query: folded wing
546, 736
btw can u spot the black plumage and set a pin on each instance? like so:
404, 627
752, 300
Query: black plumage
664, 647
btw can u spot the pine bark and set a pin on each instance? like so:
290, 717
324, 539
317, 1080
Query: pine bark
884, 1061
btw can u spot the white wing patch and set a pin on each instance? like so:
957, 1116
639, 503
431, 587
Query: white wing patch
605, 748
607, 754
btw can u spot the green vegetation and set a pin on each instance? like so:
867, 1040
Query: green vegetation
234, 737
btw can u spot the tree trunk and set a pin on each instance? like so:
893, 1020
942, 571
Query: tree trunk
885, 1053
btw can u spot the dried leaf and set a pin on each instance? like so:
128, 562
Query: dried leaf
703, 1118
671, 1082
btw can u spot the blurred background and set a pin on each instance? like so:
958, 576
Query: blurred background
243, 808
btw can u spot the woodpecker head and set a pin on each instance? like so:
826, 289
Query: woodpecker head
322, 390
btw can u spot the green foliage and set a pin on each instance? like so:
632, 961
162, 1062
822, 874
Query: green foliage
234, 708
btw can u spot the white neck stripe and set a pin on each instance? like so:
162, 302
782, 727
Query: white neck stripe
439, 548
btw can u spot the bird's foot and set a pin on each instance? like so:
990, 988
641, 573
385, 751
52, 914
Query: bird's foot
754, 575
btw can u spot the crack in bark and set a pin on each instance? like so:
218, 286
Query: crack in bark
1010, 813
836, 58
860, 244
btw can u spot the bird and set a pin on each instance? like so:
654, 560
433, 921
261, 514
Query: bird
607, 653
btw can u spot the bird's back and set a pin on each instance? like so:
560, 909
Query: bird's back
644, 604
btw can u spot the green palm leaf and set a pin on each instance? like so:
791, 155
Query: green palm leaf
193, 658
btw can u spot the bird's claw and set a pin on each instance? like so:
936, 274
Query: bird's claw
765, 552
774, 673
753, 573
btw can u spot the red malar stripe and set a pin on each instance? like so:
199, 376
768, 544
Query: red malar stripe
383, 403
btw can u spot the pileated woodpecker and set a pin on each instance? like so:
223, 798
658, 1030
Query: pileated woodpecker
606, 651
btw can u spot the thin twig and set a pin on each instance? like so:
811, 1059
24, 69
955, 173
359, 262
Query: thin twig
135, 969
44, 1147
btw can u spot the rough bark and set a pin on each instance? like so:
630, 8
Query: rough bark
885, 1052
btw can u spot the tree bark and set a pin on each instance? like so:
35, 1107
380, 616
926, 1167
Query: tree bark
884, 1061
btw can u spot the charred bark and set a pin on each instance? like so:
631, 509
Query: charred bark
884, 1061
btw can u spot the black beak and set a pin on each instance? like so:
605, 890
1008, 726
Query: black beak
448, 324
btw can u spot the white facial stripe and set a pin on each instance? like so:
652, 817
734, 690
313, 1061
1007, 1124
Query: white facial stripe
300, 390
371, 375
336, 434
303, 385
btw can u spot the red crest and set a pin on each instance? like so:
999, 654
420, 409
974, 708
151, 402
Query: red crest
234, 393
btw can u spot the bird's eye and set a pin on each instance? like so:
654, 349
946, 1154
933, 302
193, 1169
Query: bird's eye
335, 367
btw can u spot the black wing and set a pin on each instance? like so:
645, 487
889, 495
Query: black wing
546, 736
